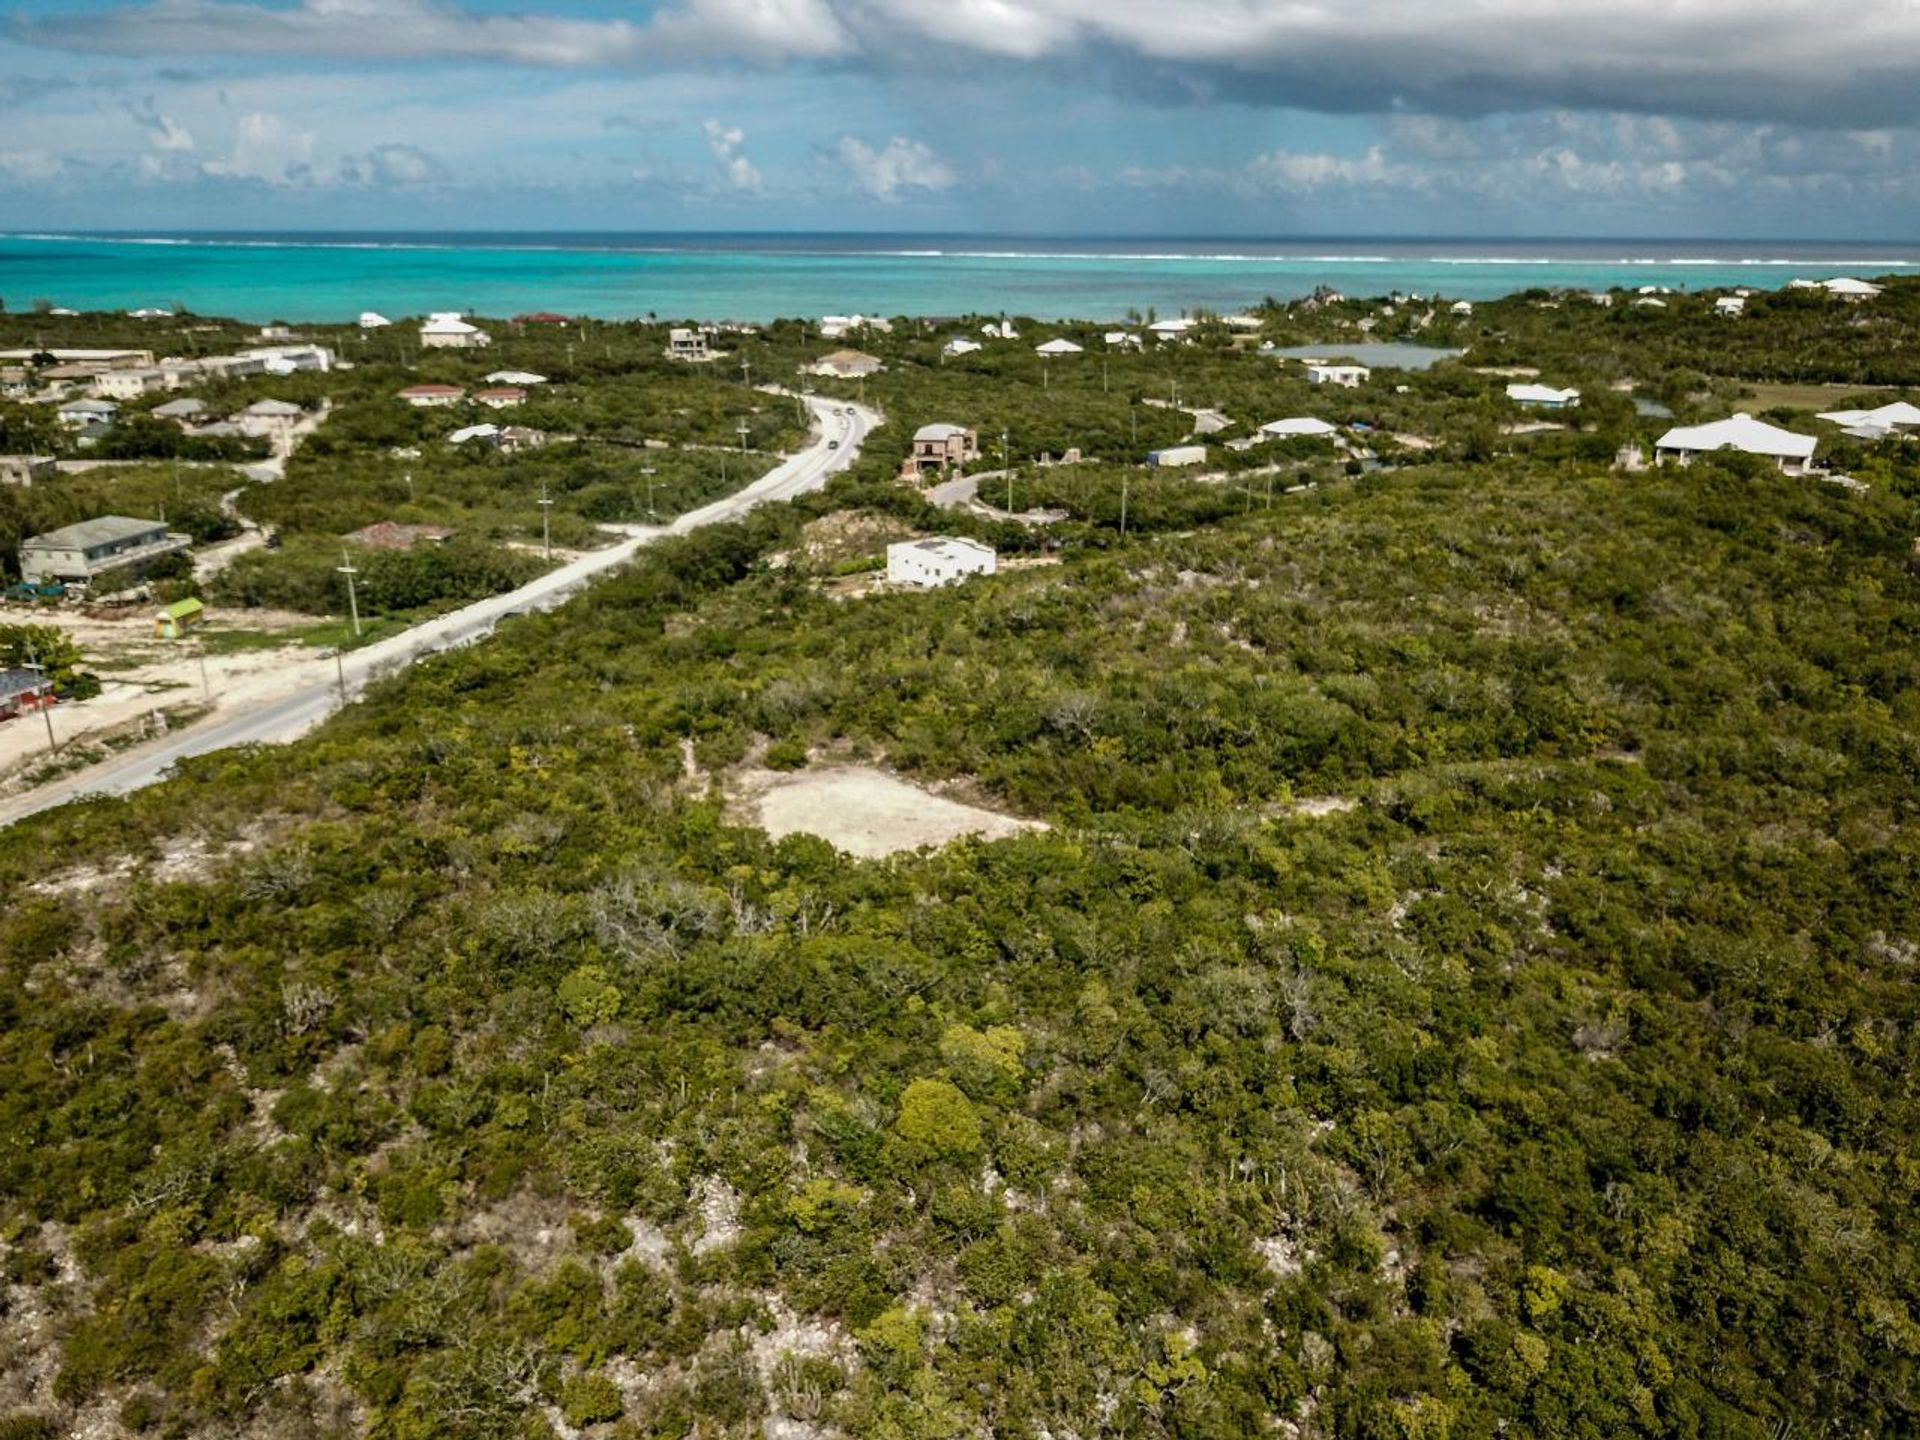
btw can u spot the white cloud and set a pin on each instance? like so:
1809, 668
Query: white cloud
901, 164
30, 167
1743, 59
268, 148
725, 142
1293, 170
164, 132
393, 165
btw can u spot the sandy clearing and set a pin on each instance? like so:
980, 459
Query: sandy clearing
140, 674
867, 812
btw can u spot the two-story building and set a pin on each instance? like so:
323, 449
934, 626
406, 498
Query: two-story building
942, 446
77, 554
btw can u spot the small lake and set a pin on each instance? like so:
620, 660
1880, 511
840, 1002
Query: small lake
1387, 354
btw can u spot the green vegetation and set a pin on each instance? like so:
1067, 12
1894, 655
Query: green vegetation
469, 1070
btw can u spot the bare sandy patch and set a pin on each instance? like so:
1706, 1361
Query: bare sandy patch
866, 812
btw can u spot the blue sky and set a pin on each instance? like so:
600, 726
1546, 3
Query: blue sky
1633, 117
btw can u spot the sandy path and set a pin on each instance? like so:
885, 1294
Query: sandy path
867, 813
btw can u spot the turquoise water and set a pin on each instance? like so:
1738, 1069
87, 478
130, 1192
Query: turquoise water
762, 277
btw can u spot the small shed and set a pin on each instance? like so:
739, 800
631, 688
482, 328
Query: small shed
178, 618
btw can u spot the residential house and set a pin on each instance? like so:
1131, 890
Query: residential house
176, 619
149, 312
1243, 322
942, 560
1791, 452
188, 412
467, 435
942, 446
1460, 307
288, 359
832, 327
1122, 340
1059, 345
959, 345
1296, 427
846, 365
24, 470
999, 330
424, 396
1878, 423
1849, 289
501, 397
393, 535
87, 414
1321, 372
129, 384
373, 320
445, 330
1540, 397
515, 377
77, 554
1730, 305
269, 419
22, 690
1171, 329
1175, 456
687, 344
515, 438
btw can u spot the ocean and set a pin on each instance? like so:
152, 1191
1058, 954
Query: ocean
750, 277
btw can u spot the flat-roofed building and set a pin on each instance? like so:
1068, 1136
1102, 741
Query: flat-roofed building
24, 470
941, 560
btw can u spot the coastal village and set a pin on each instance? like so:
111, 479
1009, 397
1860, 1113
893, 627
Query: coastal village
154, 459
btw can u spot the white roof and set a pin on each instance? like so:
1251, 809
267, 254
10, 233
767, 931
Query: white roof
447, 322
939, 430
1847, 285
1002, 329
1172, 327
373, 320
89, 407
1057, 347
1886, 417
1461, 307
515, 377
1122, 337
1298, 425
279, 408
1529, 394
950, 547
1651, 304
1731, 302
1328, 367
474, 432
960, 345
1739, 432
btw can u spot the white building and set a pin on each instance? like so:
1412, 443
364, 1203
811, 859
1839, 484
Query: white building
1321, 372
942, 560
445, 330
1730, 305
959, 345
1058, 346
287, 359
1461, 307
467, 434
1244, 322
1296, 426
269, 419
1171, 329
373, 320
516, 377
1544, 397
1789, 451
1122, 340
1847, 288
999, 330
1175, 456
686, 344
79, 414
1878, 423
832, 327
846, 365
128, 384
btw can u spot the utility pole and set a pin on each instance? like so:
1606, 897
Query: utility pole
1123, 507
652, 513
1103, 374
1008, 467
741, 430
746, 372
345, 567
409, 487
546, 522
46, 701
1133, 424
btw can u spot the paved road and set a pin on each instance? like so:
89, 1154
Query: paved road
293, 714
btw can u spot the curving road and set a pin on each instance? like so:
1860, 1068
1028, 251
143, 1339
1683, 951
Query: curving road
842, 428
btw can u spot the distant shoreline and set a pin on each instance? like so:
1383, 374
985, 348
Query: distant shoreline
319, 276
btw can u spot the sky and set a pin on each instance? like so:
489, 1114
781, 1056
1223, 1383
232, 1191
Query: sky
1577, 118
